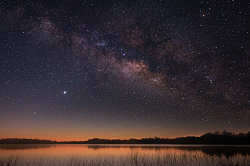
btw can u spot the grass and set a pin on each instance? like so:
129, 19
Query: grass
134, 159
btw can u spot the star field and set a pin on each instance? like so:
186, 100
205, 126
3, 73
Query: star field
79, 70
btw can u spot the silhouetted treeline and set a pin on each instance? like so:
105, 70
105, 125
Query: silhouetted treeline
25, 141
216, 138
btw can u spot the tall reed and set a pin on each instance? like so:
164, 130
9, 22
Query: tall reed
133, 159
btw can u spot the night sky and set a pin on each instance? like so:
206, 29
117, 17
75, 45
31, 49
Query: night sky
76, 70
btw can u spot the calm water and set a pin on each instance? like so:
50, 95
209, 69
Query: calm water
126, 155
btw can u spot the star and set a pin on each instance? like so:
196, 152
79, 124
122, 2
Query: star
185, 66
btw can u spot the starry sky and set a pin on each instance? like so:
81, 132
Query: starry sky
75, 70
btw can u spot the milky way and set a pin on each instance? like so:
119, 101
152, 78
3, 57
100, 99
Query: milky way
160, 68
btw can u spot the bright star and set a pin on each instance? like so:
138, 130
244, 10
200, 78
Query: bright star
64, 92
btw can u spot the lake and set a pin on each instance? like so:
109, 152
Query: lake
122, 155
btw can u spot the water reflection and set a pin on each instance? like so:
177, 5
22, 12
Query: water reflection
56, 154
219, 151
25, 146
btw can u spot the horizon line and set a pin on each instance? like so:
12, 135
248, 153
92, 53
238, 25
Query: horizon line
224, 132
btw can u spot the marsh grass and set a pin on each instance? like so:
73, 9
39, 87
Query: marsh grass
133, 159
